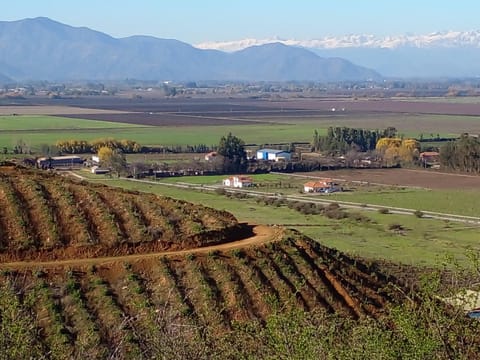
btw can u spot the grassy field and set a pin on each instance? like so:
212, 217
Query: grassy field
461, 202
38, 130
422, 242
42, 123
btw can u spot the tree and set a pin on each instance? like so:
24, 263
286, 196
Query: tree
232, 149
105, 153
112, 159
396, 150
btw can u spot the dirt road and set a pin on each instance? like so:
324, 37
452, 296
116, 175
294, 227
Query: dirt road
262, 234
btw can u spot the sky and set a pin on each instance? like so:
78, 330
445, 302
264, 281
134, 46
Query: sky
196, 21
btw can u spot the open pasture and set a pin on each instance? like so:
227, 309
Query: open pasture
43, 123
50, 110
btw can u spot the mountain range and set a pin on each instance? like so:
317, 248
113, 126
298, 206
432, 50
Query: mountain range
439, 54
43, 49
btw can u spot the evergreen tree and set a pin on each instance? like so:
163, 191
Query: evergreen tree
232, 149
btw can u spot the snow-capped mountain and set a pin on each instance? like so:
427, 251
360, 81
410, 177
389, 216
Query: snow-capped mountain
439, 54
437, 39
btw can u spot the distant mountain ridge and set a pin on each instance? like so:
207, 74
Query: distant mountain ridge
43, 49
447, 39
438, 54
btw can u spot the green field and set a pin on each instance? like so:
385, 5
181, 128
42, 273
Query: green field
423, 241
460, 202
40, 130
56, 123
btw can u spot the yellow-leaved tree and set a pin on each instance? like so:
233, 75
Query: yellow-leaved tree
105, 154
396, 150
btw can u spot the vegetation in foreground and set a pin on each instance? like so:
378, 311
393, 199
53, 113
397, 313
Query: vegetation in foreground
290, 300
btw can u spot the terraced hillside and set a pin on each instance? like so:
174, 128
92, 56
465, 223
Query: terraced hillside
91, 272
127, 307
49, 217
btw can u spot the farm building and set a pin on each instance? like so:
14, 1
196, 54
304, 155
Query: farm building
273, 154
322, 186
238, 181
60, 162
429, 158
97, 170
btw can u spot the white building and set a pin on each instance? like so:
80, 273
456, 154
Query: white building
238, 181
273, 155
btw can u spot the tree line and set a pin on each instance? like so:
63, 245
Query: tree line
343, 139
83, 146
462, 154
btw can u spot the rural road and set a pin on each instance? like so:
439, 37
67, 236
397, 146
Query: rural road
321, 199
262, 234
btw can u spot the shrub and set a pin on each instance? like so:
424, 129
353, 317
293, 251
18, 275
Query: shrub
335, 214
418, 213
220, 191
359, 217
214, 253
238, 253
396, 227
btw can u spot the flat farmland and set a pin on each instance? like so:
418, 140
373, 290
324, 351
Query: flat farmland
410, 117
383, 105
413, 189
165, 119
185, 121
201, 105
405, 177
50, 110
42, 122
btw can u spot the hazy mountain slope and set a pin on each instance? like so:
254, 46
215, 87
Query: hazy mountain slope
413, 61
44, 49
280, 62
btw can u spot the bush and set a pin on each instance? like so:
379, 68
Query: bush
359, 217
220, 191
332, 206
238, 253
395, 227
418, 214
214, 253
335, 214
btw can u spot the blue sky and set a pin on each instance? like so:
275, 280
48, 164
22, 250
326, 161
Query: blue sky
195, 21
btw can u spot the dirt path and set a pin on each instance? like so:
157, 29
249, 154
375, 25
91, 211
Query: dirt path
262, 235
